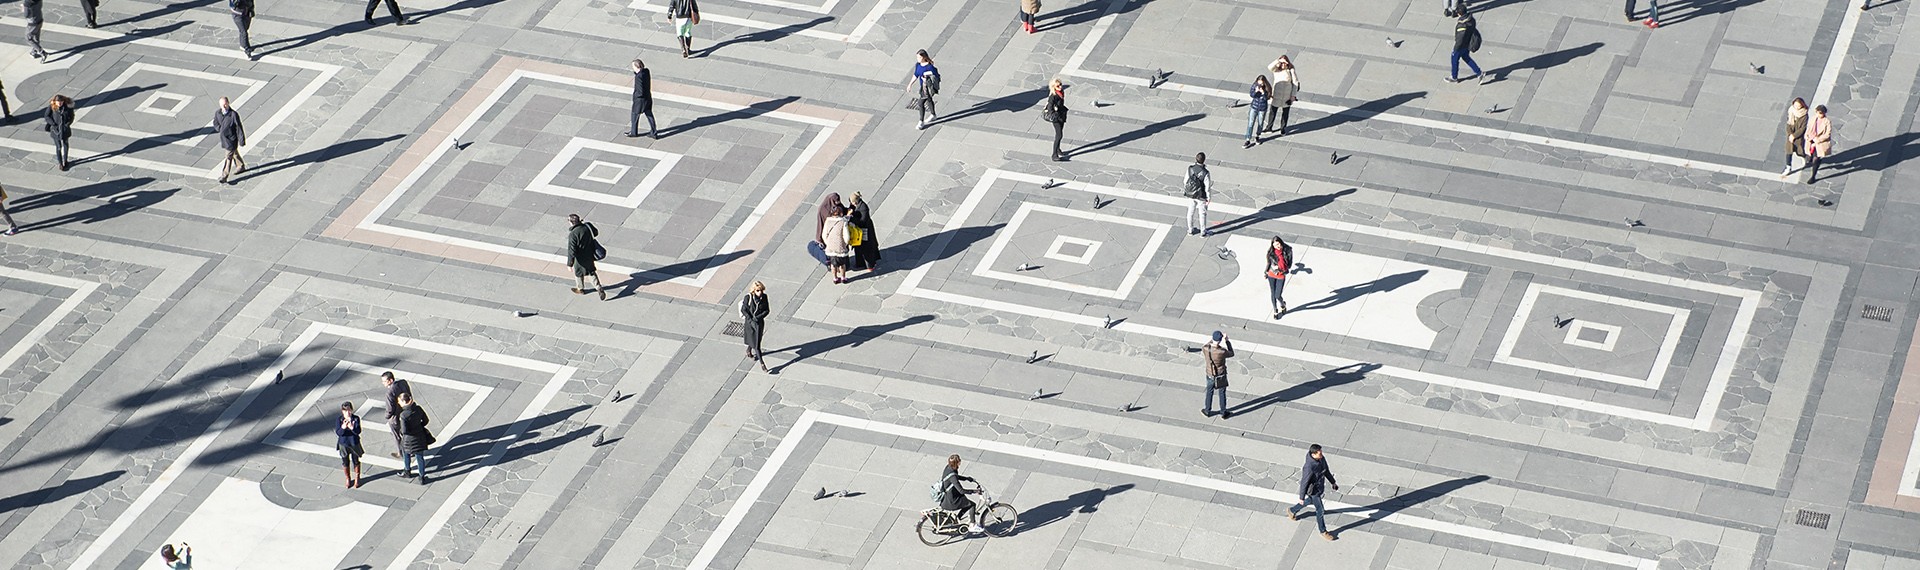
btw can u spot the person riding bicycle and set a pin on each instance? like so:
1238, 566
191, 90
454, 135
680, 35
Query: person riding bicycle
953, 496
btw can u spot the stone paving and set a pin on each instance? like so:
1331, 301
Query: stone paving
1573, 317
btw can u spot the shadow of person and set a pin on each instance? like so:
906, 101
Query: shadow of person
114, 207
1387, 507
1352, 292
101, 189
1292, 207
764, 36
461, 453
1083, 502
1003, 104
1544, 61
1362, 112
859, 335
1133, 135
1343, 375
1082, 13
56, 56
939, 246
1677, 12
65, 489
665, 273
144, 143
1877, 155
753, 110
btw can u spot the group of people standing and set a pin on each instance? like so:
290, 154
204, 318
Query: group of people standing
845, 234
406, 420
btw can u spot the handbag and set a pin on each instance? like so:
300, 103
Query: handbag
599, 252
855, 236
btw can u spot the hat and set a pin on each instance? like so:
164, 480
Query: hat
1217, 336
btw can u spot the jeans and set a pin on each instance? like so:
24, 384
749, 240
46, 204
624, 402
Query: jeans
60, 150
1319, 510
241, 23
1253, 120
1059, 130
1197, 214
1462, 55
926, 110
1214, 395
1274, 287
1653, 10
35, 18
410, 459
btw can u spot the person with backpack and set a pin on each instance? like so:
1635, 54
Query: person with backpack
1199, 193
1279, 262
924, 84
1466, 40
1056, 112
583, 251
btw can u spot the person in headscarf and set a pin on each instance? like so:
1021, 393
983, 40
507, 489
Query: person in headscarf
827, 205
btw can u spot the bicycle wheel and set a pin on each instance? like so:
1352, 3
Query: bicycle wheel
930, 533
1000, 519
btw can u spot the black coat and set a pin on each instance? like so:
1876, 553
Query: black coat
953, 497
868, 252
233, 134
60, 123
414, 436
1056, 109
581, 244
753, 311
682, 8
1315, 476
393, 397
643, 91
1463, 32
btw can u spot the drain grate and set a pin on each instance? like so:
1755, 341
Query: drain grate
735, 329
1883, 314
1812, 519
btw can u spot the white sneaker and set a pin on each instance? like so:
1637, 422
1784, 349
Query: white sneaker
1786, 171
976, 529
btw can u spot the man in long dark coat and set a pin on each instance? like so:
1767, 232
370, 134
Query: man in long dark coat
582, 251
233, 135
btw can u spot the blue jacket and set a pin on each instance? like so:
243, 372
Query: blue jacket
348, 437
1259, 99
1315, 476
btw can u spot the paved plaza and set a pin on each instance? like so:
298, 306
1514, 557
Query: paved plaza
1571, 316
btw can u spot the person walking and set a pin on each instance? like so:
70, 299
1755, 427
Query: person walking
1454, 7
1216, 353
393, 7
583, 254
923, 85
1466, 40
1315, 477
92, 9
1029, 14
59, 125
177, 559
1279, 262
684, 14
867, 253
395, 389
642, 101
347, 442
12, 228
1199, 193
1260, 96
834, 239
36, 17
1286, 90
1796, 133
1819, 141
242, 12
1056, 112
415, 437
753, 313
233, 135
1653, 13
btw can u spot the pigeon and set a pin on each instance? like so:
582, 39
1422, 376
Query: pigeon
1824, 203
1158, 74
599, 440
524, 314
1110, 321
1127, 407
1560, 323
1031, 360
1393, 42
1633, 223
1098, 103
1760, 69
1336, 158
457, 145
1047, 185
1494, 108
1024, 267
616, 396
1037, 393
821, 494
278, 376
1225, 253
1096, 201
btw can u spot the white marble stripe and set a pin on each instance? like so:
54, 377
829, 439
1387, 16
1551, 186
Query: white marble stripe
81, 291
751, 494
860, 29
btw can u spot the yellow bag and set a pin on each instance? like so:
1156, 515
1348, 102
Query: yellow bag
855, 236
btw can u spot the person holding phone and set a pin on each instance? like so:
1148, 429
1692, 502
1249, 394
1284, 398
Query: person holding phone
348, 435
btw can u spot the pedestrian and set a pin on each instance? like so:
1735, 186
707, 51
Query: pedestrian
12, 228
242, 11
177, 559
1199, 193
1279, 262
866, 254
1653, 13
1029, 14
684, 14
1216, 353
1056, 112
753, 312
1819, 141
393, 6
583, 254
59, 125
835, 236
91, 9
827, 204
36, 17
1286, 90
1260, 96
395, 389
642, 101
6, 109
233, 135
923, 85
347, 442
1796, 133
1315, 477
1466, 40
415, 439
1454, 7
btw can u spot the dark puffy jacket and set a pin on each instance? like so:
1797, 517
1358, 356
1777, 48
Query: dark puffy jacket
1464, 31
413, 429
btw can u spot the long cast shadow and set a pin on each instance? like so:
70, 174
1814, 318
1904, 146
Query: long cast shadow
1292, 207
1352, 292
100, 190
1050, 512
1387, 507
1877, 155
764, 36
68, 488
1684, 10
1343, 375
1544, 61
162, 11
664, 273
335, 150
859, 335
1133, 135
62, 55
921, 249
114, 207
462, 453
1081, 13
1003, 104
145, 143
1363, 112
753, 110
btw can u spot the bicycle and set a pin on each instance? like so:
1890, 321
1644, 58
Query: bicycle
939, 527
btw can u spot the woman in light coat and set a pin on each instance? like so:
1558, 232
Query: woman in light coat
1819, 141
834, 238
1796, 132
1286, 90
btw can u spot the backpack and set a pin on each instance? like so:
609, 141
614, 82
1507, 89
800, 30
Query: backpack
1473, 40
1196, 182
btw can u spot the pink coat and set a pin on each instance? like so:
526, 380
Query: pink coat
1819, 136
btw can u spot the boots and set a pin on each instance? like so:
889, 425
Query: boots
347, 471
356, 476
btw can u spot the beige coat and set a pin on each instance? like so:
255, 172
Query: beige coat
1030, 6
1286, 84
1796, 132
